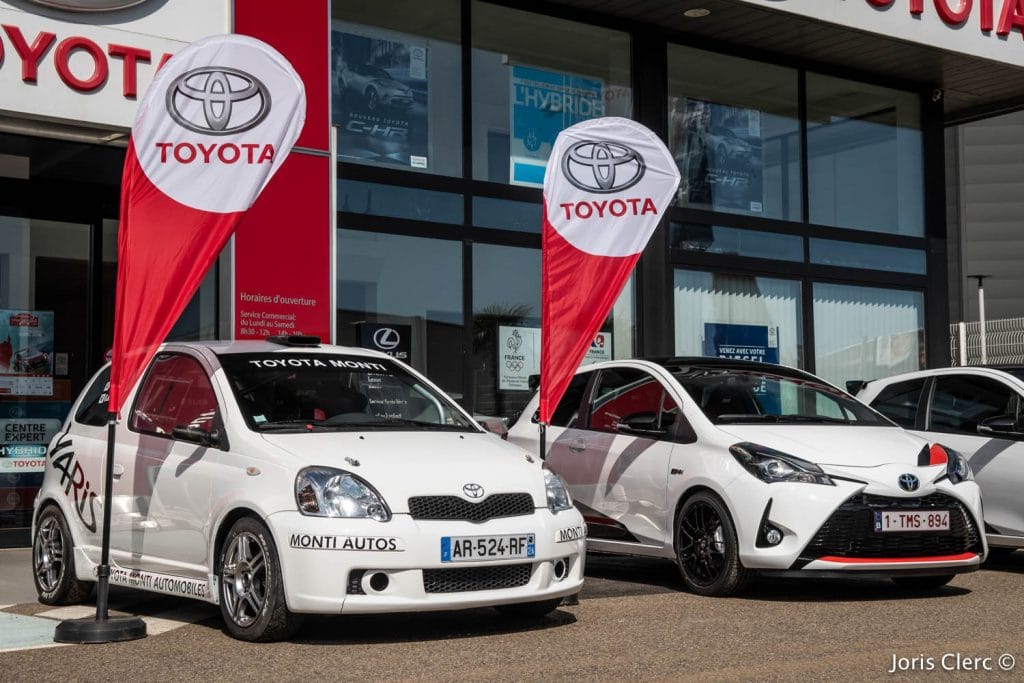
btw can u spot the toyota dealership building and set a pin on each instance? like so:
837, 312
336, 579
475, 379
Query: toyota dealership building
821, 145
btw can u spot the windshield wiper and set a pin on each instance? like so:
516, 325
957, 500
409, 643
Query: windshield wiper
374, 422
288, 425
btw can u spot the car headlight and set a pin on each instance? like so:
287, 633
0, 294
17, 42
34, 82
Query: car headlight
957, 468
329, 492
558, 492
771, 466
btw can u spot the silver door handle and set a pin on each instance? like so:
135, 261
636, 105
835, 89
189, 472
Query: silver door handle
118, 470
578, 446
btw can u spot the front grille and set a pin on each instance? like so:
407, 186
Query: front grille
465, 579
850, 531
455, 508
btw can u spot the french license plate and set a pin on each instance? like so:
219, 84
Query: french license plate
471, 548
898, 520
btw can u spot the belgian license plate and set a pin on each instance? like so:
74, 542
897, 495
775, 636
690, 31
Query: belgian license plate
472, 548
899, 520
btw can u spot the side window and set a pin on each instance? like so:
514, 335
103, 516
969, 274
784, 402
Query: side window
175, 393
96, 403
960, 402
898, 402
567, 411
626, 395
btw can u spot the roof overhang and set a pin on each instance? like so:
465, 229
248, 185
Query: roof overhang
979, 73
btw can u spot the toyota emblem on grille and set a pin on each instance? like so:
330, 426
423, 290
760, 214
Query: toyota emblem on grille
473, 490
602, 167
908, 482
217, 101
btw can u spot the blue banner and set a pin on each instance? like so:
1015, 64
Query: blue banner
747, 342
543, 104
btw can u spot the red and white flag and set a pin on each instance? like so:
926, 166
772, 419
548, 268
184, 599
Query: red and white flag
215, 124
607, 185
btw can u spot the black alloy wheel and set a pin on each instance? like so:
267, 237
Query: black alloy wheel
706, 547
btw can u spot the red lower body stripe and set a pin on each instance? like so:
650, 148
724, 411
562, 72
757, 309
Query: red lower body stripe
880, 560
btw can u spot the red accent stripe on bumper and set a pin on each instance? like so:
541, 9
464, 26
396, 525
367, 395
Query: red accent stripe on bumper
892, 560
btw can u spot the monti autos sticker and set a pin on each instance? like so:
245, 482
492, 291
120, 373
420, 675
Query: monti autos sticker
573, 533
365, 543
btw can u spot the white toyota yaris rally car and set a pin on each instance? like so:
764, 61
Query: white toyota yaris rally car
730, 467
283, 477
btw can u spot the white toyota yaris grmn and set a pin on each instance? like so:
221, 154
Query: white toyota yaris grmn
731, 467
285, 477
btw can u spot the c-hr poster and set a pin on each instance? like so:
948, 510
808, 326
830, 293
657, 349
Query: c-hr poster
719, 153
379, 91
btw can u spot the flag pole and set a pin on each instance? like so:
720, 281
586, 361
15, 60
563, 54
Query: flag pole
103, 629
543, 437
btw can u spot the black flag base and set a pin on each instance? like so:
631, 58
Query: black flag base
93, 630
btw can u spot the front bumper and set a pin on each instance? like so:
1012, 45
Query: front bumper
323, 574
829, 529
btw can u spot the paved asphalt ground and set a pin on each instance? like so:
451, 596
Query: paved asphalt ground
632, 623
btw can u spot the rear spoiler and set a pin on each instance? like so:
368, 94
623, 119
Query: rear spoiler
853, 386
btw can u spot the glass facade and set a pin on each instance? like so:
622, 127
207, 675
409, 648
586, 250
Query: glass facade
528, 85
734, 130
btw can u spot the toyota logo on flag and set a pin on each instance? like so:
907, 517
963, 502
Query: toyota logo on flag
386, 338
908, 482
217, 101
473, 490
602, 167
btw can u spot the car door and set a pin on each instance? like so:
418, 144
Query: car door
171, 474
958, 404
616, 465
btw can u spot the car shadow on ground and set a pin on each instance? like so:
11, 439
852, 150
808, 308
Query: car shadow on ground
612, 576
1012, 563
364, 629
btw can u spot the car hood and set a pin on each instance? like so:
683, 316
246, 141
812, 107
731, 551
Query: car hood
840, 445
404, 464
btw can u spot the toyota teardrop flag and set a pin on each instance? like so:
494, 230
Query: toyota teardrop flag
215, 124
608, 183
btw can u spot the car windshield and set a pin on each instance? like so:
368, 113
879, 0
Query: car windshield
306, 392
754, 396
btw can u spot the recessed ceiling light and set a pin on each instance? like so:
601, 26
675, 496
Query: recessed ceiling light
696, 13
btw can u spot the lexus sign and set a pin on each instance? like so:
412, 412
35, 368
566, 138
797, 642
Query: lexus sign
394, 340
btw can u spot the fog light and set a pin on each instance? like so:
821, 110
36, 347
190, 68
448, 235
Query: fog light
561, 569
379, 581
773, 536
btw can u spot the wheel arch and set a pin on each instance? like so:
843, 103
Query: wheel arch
225, 524
687, 495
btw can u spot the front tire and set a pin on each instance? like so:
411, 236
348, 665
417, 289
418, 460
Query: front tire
532, 610
53, 561
251, 588
922, 584
706, 547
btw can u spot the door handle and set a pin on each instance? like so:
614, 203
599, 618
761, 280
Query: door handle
118, 470
578, 446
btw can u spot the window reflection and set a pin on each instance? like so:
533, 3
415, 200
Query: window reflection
410, 285
864, 141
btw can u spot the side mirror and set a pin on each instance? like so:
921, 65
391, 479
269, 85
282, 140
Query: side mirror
641, 424
197, 436
999, 426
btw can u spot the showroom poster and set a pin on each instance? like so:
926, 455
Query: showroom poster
25, 431
544, 103
519, 355
758, 343
720, 158
379, 88
26, 353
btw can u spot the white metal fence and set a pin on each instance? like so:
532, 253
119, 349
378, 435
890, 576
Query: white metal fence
1004, 342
